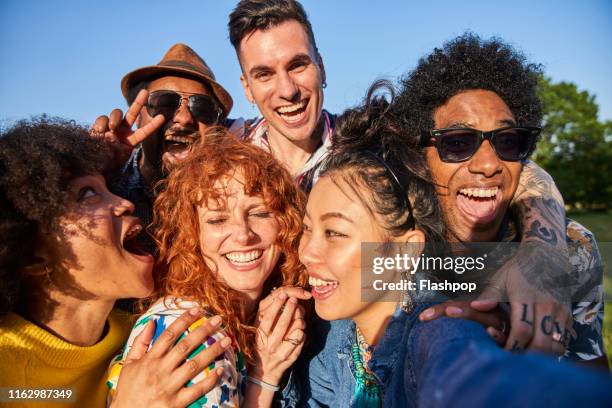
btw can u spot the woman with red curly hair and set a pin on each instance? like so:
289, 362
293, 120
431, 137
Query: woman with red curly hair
227, 225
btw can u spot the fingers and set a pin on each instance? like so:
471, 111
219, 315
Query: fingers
544, 328
141, 343
551, 334
199, 335
294, 340
522, 327
463, 310
292, 291
484, 305
100, 126
295, 354
491, 318
497, 335
492, 294
188, 395
432, 313
267, 317
115, 119
132, 114
280, 329
169, 336
300, 312
195, 365
142, 133
441, 309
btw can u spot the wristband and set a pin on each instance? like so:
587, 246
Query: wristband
263, 384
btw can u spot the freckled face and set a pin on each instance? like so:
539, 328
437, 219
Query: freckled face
474, 194
238, 237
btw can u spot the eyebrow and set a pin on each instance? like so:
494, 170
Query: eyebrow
507, 122
335, 215
297, 58
256, 205
460, 125
259, 68
503, 123
300, 58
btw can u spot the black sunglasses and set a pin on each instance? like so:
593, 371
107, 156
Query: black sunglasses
203, 108
460, 144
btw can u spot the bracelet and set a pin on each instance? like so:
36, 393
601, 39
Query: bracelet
263, 384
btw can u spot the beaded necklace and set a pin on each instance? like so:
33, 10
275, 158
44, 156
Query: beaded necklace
367, 389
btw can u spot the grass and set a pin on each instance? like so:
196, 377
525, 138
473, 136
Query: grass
600, 224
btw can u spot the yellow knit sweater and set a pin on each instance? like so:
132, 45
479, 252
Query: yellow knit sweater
31, 357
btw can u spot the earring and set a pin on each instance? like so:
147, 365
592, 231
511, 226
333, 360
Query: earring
324, 85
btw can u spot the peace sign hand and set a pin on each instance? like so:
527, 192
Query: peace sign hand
116, 129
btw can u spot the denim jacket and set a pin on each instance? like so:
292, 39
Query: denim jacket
446, 362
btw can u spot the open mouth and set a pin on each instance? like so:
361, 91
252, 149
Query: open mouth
481, 204
244, 258
322, 288
180, 143
294, 112
130, 241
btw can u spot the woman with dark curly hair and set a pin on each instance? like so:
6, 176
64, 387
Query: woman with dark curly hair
68, 251
227, 225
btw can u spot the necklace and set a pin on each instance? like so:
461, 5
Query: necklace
367, 389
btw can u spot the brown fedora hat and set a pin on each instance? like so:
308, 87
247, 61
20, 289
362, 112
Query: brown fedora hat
180, 59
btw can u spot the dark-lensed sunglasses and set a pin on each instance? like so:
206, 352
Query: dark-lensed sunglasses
203, 108
460, 144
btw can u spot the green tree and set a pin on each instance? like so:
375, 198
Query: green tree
576, 148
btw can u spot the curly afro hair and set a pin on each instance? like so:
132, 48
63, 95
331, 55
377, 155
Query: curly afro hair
38, 159
465, 63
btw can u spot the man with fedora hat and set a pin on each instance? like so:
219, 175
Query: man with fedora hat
171, 103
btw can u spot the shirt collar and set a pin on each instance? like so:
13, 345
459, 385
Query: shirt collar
258, 135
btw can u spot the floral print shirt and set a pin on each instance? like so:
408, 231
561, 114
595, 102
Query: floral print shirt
231, 387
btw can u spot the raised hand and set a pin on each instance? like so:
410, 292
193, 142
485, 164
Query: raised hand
157, 377
280, 338
116, 129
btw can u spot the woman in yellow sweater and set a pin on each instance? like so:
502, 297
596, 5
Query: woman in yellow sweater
68, 251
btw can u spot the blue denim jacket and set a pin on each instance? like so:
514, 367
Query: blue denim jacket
446, 362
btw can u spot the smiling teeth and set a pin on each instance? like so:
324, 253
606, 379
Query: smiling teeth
479, 192
320, 282
291, 108
244, 257
180, 139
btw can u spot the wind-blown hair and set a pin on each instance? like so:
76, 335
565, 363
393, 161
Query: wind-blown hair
181, 268
38, 159
367, 138
467, 63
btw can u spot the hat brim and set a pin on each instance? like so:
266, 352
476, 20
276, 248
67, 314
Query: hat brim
156, 71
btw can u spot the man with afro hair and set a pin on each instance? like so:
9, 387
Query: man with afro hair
474, 107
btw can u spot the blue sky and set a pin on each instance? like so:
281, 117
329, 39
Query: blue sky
67, 58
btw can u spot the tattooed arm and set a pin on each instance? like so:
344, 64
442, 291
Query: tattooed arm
538, 281
539, 207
